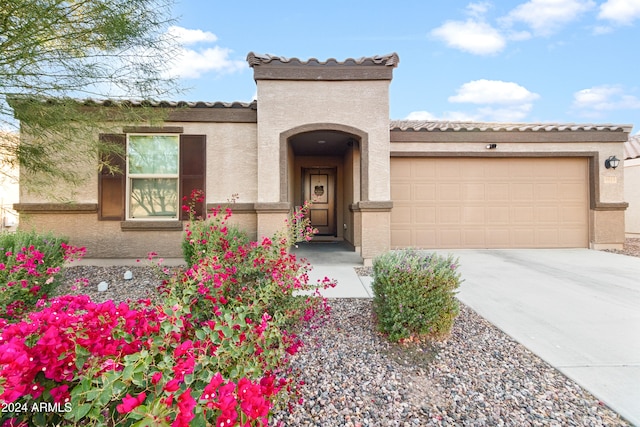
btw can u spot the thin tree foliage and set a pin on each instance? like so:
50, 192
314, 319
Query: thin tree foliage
54, 53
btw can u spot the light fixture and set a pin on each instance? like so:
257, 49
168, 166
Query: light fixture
612, 162
491, 146
321, 141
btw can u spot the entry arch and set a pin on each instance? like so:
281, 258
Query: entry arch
361, 138
336, 153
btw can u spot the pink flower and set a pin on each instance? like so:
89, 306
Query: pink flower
172, 385
155, 378
60, 394
130, 403
186, 404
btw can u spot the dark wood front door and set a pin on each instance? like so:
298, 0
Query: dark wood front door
320, 188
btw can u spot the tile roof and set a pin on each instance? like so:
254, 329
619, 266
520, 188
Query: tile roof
632, 147
391, 59
169, 104
446, 126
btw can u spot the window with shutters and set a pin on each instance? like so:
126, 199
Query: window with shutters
150, 181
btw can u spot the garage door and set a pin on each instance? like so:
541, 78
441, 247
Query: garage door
489, 203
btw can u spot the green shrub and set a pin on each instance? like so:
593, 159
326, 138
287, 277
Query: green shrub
414, 294
30, 264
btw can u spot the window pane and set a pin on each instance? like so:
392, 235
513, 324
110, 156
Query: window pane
153, 154
153, 197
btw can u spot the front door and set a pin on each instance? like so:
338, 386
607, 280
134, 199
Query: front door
319, 187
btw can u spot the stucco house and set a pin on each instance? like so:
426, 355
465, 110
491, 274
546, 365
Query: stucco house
322, 130
632, 186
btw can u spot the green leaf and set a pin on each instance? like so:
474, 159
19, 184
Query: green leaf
81, 411
119, 388
138, 379
127, 372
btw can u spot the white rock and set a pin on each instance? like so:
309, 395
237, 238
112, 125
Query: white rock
103, 286
128, 275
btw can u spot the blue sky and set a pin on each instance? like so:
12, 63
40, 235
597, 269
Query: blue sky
527, 61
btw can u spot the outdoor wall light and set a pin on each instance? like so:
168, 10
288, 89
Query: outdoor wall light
491, 146
612, 162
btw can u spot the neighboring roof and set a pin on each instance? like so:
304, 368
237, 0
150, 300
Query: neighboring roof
632, 147
446, 126
390, 59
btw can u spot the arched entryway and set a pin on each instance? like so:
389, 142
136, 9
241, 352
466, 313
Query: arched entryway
323, 162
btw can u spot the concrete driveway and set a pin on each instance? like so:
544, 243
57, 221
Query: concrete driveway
577, 309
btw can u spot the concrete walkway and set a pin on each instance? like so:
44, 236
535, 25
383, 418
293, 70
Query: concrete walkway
335, 261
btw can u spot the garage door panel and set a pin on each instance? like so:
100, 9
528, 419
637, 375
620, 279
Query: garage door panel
425, 215
497, 191
401, 238
426, 169
522, 192
547, 237
489, 202
522, 215
401, 168
401, 215
451, 237
547, 214
424, 239
568, 214
449, 192
424, 191
472, 191
474, 238
473, 215
449, 215
546, 192
401, 192
498, 215
498, 237
572, 192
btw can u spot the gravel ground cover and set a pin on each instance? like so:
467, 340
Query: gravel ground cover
354, 377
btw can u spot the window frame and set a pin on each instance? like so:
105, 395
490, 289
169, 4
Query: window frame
129, 177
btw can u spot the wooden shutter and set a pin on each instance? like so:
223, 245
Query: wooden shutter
192, 169
111, 180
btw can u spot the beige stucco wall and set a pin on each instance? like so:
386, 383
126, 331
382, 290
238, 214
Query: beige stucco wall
105, 239
632, 196
231, 167
284, 105
231, 151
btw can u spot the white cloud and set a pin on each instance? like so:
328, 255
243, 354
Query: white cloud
604, 98
478, 9
496, 101
420, 115
185, 36
472, 36
192, 63
620, 11
545, 17
493, 92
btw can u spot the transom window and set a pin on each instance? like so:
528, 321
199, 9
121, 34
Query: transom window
152, 176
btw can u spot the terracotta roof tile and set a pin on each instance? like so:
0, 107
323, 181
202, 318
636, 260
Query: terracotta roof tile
170, 104
632, 147
446, 126
391, 59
